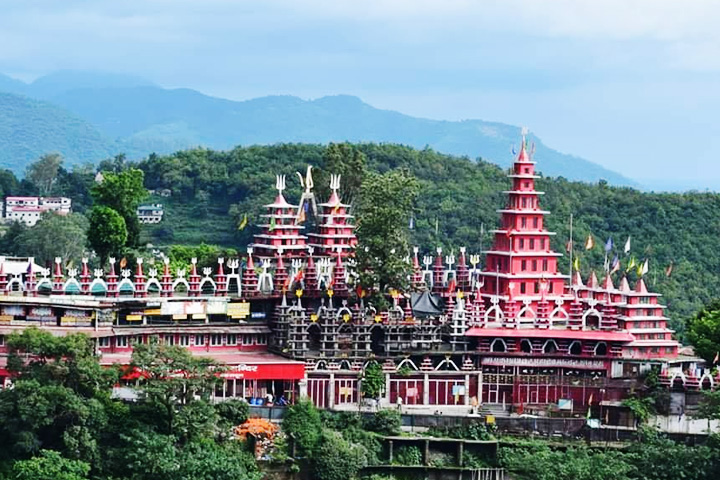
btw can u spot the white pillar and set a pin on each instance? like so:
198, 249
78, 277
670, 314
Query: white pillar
331, 391
426, 389
466, 400
386, 396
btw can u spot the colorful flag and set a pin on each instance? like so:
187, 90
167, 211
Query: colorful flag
412, 223
631, 264
669, 269
123, 262
568, 246
590, 243
336, 209
608, 245
243, 223
627, 246
643, 268
576, 264
301, 217
452, 286
589, 406
272, 223
717, 357
299, 276
615, 264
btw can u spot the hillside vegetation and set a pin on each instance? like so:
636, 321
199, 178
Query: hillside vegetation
212, 191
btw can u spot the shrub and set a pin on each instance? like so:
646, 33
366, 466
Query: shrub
337, 459
234, 411
408, 455
385, 422
304, 425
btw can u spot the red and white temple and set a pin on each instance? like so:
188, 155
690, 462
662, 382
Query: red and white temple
288, 320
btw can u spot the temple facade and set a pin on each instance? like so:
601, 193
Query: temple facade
288, 319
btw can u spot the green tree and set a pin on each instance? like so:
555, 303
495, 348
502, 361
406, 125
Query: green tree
703, 331
385, 205
373, 381
43, 173
173, 378
123, 192
50, 465
303, 423
54, 236
337, 459
107, 232
345, 160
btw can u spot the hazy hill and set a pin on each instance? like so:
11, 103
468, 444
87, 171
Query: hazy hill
137, 118
29, 128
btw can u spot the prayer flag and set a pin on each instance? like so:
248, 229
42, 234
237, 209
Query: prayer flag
590, 243
632, 264
669, 269
243, 223
272, 223
568, 246
576, 264
615, 264
627, 246
609, 244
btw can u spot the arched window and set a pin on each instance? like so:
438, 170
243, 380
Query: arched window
498, 345
601, 349
525, 346
575, 348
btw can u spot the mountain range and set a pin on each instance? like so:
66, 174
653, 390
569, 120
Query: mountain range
91, 116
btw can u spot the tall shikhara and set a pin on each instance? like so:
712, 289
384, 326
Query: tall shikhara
521, 268
282, 230
335, 228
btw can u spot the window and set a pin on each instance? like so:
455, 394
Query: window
139, 340
534, 265
522, 243
199, 340
2, 340
545, 265
523, 221
247, 339
262, 339
121, 341
215, 340
524, 203
532, 244
169, 339
550, 287
103, 342
523, 265
537, 287
184, 340
535, 222
522, 287
232, 339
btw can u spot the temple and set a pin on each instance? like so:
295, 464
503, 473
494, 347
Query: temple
288, 319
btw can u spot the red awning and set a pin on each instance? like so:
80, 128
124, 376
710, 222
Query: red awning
600, 335
277, 371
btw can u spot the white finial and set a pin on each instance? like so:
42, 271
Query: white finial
98, 272
166, 261
207, 271
250, 250
439, 250
152, 272
139, 261
111, 260
416, 250
58, 260
334, 182
221, 260
280, 183
193, 261
311, 249
462, 249
85, 260
309, 184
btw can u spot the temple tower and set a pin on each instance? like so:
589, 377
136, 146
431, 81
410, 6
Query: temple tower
521, 267
282, 230
335, 228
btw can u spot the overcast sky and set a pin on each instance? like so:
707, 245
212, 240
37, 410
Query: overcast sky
632, 85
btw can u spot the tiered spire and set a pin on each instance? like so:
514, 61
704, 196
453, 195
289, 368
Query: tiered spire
521, 255
335, 230
282, 230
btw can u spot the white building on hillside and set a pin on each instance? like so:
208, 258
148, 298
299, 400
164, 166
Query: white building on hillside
29, 209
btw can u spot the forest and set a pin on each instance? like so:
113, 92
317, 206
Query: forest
212, 192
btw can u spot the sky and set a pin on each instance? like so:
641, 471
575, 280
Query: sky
631, 85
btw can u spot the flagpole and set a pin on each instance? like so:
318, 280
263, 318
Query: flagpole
571, 247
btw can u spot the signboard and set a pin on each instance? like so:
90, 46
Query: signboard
257, 315
6, 319
565, 404
133, 318
184, 308
544, 362
272, 371
216, 307
238, 310
13, 310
